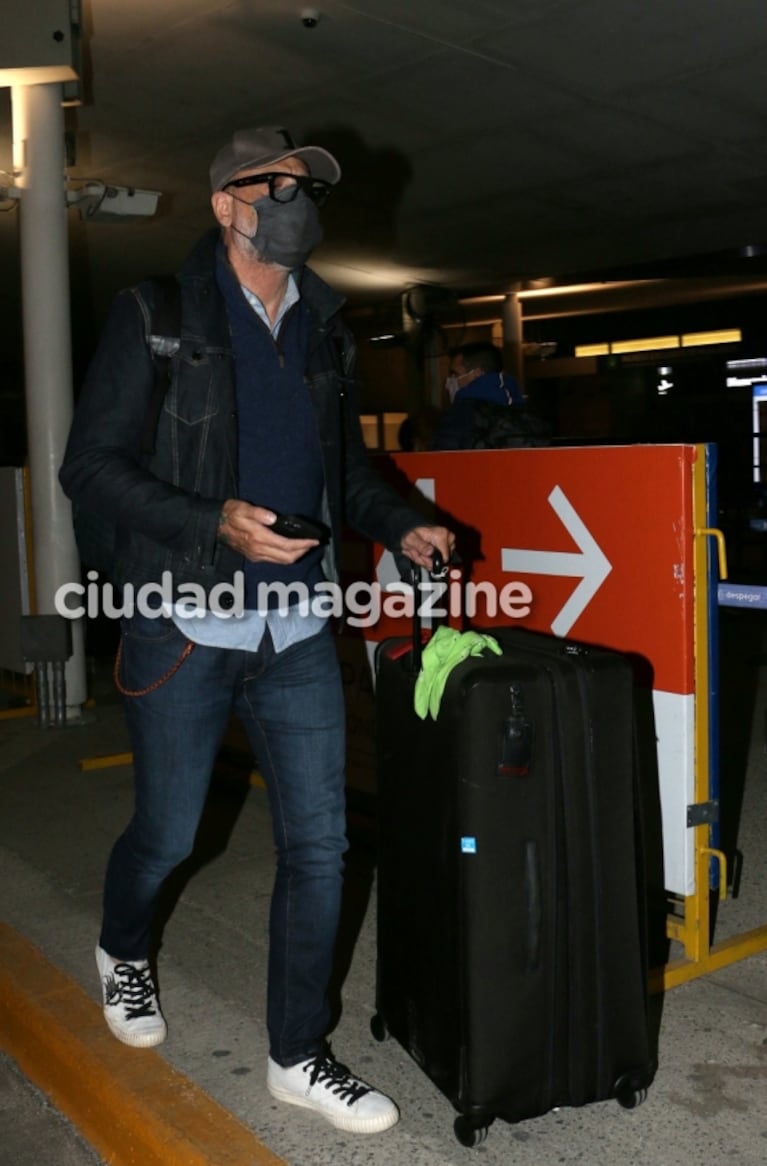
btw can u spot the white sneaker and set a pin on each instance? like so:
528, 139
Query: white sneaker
322, 1084
130, 1001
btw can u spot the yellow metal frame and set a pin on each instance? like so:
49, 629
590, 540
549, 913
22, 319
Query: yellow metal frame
693, 928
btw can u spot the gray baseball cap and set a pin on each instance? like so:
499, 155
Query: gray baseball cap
264, 146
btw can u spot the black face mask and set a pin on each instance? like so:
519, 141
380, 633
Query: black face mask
287, 232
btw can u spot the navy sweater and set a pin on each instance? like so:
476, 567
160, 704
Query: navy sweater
280, 461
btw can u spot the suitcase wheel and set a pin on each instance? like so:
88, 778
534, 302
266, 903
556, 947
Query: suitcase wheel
630, 1091
378, 1027
471, 1129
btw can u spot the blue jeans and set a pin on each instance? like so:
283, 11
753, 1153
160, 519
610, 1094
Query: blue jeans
291, 704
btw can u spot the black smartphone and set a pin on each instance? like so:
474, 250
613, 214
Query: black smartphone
294, 526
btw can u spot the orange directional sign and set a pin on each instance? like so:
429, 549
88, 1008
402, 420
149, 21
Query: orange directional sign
592, 543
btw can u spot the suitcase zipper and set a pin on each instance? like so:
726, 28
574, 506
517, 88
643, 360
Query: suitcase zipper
534, 905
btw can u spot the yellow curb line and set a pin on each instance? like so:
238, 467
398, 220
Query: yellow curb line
133, 1108
105, 761
112, 760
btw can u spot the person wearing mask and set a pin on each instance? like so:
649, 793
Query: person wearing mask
260, 418
487, 408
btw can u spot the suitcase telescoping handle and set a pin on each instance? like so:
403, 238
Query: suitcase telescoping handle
437, 573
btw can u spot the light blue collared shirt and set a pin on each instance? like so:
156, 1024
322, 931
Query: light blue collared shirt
287, 626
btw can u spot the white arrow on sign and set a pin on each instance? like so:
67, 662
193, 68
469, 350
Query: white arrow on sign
589, 563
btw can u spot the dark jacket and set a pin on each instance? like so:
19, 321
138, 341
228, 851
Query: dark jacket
166, 506
491, 393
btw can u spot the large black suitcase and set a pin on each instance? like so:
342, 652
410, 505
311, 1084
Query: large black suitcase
510, 891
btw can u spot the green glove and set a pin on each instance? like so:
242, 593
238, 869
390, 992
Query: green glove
446, 648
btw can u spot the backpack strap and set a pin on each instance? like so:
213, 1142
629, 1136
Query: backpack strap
164, 343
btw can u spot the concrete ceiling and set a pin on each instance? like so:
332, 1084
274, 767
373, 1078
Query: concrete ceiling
481, 143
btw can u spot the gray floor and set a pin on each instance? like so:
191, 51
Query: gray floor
57, 823
32, 1132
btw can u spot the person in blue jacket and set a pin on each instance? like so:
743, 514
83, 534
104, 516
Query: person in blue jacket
475, 385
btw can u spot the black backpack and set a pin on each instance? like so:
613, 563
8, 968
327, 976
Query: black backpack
95, 535
507, 427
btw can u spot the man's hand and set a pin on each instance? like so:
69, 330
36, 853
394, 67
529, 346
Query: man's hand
418, 544
247, 530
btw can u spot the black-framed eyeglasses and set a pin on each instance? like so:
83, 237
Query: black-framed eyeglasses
284, 186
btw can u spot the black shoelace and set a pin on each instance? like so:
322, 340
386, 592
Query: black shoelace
136, 990
327, 1071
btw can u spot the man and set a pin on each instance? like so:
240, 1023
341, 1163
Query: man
260, 417
482, 397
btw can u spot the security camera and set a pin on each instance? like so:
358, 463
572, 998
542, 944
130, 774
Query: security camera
310, 17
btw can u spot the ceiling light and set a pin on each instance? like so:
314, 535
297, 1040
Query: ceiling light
389, 340
592, 350
493, 299
649, 344
574, 289
721, 336
97, 202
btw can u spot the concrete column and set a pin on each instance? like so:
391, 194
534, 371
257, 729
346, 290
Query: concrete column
38, 159
435, 382
513, 338
414, 356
